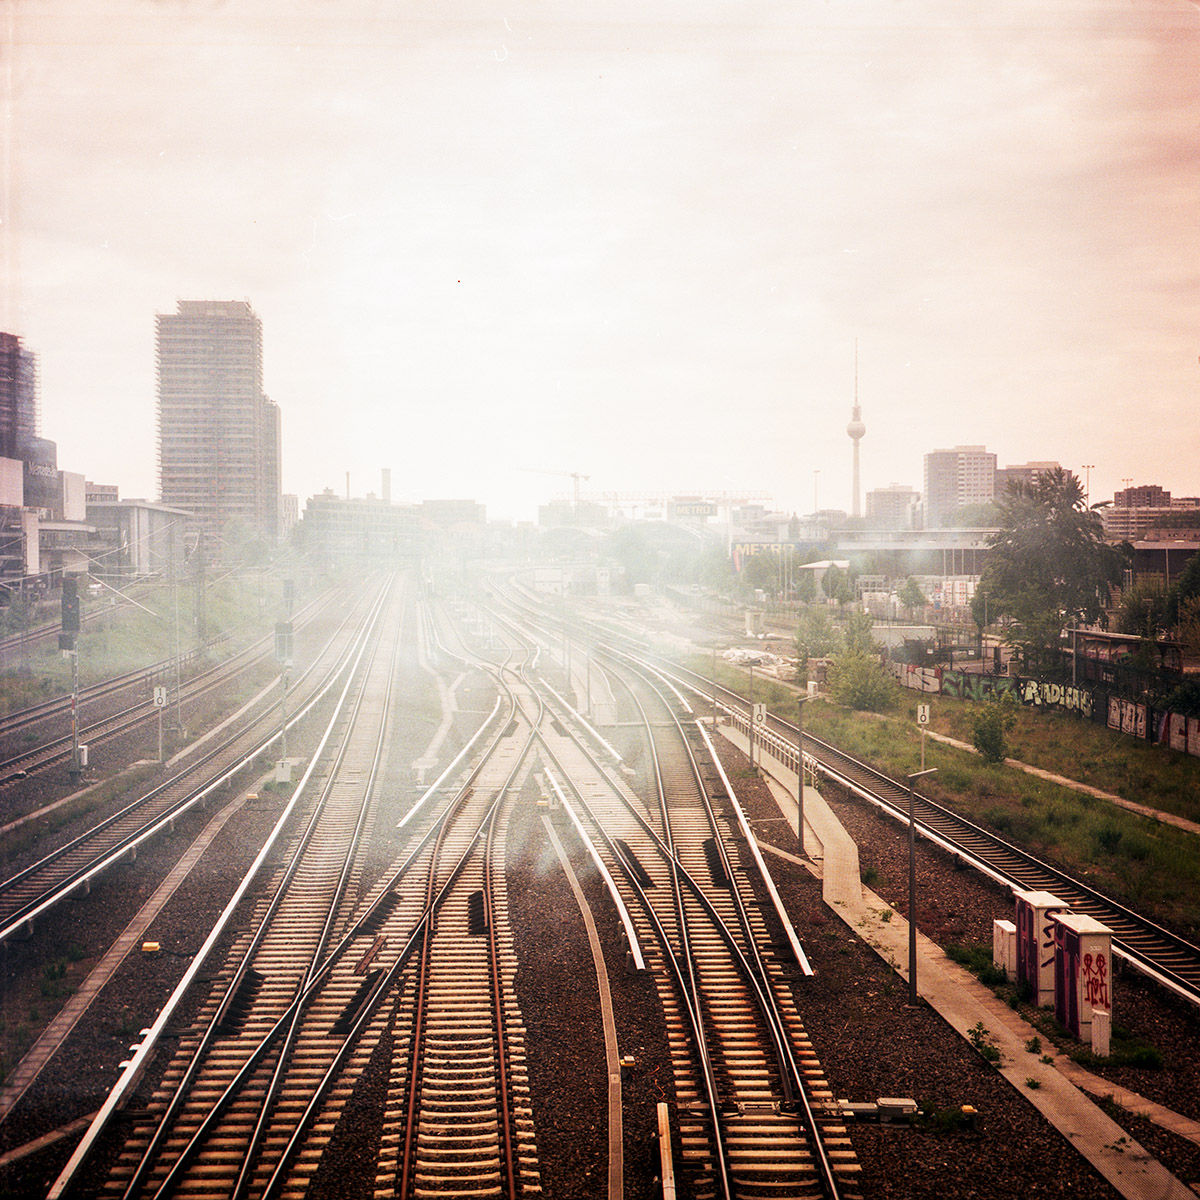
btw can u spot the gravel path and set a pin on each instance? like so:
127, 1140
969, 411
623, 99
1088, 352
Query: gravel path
871, 1044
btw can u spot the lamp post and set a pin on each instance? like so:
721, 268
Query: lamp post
912, 889
714, 687
751, 715
800, 703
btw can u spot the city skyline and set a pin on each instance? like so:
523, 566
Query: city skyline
636, 247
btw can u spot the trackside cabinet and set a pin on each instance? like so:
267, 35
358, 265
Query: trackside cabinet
1082, 971
1035, 942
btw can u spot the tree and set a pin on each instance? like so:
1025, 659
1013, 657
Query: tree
858, 680
1049, 567
1185, 588
761, 572
714, 569
973, 516
816, 633
806, 587
857, 632
631, 549
1143, 607
835, 583
911, 596
1188, 626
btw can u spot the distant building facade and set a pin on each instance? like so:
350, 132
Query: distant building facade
360, 527
218, 432
18, 397
957, 477
1147, 495
1027, 473
42, 509
447, 514
892, 507
134, 539
1137, 512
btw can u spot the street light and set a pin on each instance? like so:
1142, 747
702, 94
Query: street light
912, 889
800, 703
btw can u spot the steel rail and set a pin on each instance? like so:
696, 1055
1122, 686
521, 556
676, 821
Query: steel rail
1159, 947
80, 877
54, 750
683, 964
423, 934
133, 1069
1144, 944
755, 971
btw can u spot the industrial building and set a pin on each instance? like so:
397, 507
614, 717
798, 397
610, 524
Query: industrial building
134, 539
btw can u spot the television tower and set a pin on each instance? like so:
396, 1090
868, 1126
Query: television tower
856, 429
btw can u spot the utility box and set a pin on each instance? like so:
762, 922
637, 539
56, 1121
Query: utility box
754, 622
1004, 947
1035, 943
1082, 971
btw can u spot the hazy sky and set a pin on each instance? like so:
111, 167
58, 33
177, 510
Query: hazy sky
635, 240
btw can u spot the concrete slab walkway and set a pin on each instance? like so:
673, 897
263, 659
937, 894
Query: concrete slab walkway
964, 1003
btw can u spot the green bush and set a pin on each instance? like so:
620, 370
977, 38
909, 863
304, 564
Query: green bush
859, 681
993, 720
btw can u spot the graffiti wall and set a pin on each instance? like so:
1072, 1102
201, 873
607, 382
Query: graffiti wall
1127, 716
965, 686
977, 687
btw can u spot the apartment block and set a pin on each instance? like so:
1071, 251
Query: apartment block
218, 432
957, 477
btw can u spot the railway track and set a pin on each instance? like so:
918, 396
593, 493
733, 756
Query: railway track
1157, 952
252, 1102
54, 747
754, 1114
29, 894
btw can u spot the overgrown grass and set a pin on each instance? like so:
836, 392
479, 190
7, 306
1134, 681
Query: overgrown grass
1146, 863
125, 638
1082, 750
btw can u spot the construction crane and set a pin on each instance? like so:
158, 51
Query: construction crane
574, 476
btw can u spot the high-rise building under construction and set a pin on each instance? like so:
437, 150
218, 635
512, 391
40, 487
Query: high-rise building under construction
18, 397
218, 432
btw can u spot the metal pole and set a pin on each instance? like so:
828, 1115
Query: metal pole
283, 718
750, 714
75, 768
912, 889
714, 683
800, 702
175, 606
